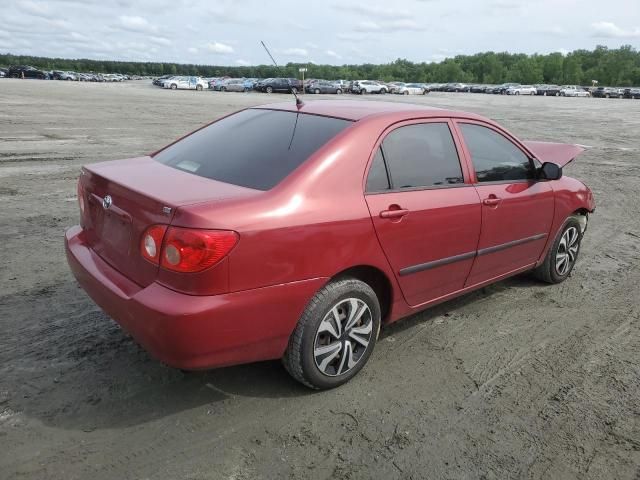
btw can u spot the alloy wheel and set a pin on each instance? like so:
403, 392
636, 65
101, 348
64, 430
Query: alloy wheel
567, 250
343, 337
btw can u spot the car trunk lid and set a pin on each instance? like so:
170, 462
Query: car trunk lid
124, 197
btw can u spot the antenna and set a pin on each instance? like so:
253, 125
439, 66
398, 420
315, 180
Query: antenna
299, 103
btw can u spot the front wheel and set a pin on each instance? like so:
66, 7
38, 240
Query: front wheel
174, 86
317, 91
335, 336
338, 92
269, 90
198, 88
562, 255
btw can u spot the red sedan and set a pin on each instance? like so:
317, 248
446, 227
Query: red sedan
295, 232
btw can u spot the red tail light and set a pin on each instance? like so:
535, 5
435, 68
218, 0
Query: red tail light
184, 249
151, 243
187, 250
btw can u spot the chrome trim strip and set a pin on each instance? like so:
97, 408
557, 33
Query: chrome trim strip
436, 263
465, 256
514, 243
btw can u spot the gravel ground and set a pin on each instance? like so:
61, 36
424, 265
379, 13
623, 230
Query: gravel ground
517, 380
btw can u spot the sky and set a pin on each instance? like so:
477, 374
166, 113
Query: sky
228, 32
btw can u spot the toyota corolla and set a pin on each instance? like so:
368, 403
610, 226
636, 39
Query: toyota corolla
295, 232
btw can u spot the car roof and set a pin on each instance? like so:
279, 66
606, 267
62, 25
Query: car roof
357, 110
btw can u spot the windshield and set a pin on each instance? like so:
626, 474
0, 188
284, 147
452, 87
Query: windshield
253, 148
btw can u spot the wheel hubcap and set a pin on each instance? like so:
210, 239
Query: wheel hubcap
343, 337
567, 250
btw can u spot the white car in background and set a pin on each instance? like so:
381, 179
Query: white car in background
412, 89
522, 90
185, 83
368, 86
574, 91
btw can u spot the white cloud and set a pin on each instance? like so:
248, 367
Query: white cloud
333, 54
161, 41
611, 30
192, 50
295, 52
38, 9
220, 48
401, 25
242, 62
136, 24
375, 11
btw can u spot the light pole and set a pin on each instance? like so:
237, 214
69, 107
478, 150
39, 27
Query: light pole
302, 70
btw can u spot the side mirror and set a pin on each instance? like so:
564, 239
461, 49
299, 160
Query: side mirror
550, 171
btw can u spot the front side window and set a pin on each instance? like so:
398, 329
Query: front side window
255, 148
422, 155
494, 157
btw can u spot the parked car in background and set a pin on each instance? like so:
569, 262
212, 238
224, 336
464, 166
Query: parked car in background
158, 81
342, 85
323, 86
502, 89
548, 90
412, 89
368, 86
3, 72
275, 85
457, 87
236, 85
185, 83
521, 90
607, 92
250, 255
631, 93
26, 71
574, 91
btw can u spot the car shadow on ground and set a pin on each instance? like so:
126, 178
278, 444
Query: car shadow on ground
65, 363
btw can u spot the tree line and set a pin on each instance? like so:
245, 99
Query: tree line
615, 67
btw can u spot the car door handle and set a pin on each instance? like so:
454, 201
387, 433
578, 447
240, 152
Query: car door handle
491, 201
394, 213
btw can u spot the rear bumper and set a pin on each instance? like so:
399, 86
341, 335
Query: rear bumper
193, 332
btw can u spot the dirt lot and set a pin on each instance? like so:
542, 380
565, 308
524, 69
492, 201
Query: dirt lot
518, 380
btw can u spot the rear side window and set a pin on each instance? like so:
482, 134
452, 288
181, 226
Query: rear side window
378, 181
494, 157
254, 148
422, 155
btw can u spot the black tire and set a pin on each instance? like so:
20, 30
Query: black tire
269, 89
362, 91
198, 88
299, 359
548, 271
174, 86
406, 92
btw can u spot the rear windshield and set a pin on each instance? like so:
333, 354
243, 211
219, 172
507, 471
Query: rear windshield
253, 148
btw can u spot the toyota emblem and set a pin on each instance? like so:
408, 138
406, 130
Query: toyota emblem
107, 202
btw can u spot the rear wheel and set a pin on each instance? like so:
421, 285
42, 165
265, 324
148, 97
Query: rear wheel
269, 89
406, 92
338, 92
335, 336
562, 255
198, 88
173, 86
317, 91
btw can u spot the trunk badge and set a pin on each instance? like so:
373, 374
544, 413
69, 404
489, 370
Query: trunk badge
166, 210
107, 202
